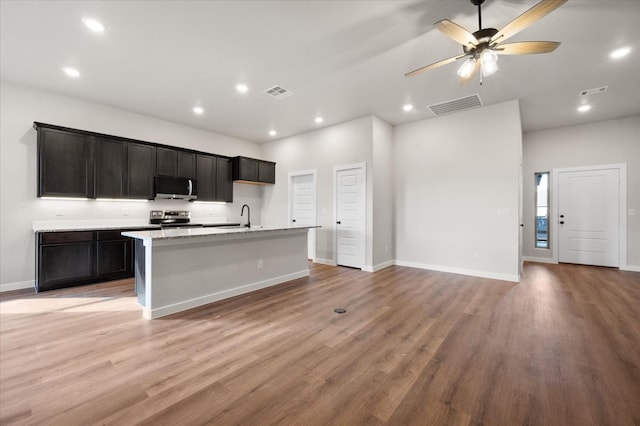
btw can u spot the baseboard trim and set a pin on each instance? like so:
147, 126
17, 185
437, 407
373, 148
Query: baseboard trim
214, 297
16, 286
630, 268
539, 259
470, 272
379, 266
325, 261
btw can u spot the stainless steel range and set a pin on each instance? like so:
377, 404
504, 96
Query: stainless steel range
172, 219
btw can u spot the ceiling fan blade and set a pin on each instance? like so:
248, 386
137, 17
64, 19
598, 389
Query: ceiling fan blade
527, 18
456, 32
466, 80
434, 65
526, 47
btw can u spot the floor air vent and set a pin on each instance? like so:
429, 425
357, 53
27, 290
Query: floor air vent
467, 102
278, 92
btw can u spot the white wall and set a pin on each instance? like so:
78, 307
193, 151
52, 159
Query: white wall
605, 142
322, 149
382, 221
456, 192
19, 206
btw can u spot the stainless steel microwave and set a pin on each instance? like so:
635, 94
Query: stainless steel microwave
175, 188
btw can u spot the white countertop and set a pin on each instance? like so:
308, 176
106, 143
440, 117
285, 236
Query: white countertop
92, 225
89, 225
164, 234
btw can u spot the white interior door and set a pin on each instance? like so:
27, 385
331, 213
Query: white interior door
350, 216
588, 214
302, 205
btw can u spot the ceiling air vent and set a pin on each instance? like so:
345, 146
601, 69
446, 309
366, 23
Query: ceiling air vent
594, 91
278, 92
467, 102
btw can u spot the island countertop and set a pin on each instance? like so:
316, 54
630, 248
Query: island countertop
167, 234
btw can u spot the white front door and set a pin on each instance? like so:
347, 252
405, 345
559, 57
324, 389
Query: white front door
302, 206
350, 216
588, 214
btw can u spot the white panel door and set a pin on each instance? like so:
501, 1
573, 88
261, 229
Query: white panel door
302, 206
350, 217
588, 203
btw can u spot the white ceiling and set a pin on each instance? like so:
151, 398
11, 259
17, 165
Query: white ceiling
342, 59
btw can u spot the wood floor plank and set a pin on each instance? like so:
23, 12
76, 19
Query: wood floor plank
415, 347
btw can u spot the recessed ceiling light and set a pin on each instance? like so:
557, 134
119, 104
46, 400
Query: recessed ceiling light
242, 88
198, 110
584, 108
272, 133
93, 25
619, 53
71, 72
408, 107
319, 120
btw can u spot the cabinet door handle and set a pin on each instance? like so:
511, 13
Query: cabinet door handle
293, 221
562, 222
338, 222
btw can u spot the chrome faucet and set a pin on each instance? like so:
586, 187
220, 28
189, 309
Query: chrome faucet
248, 225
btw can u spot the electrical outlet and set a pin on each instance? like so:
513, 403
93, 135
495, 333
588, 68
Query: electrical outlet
260, 263
632, 212
386, 249
125, 211
476, 255
59, 211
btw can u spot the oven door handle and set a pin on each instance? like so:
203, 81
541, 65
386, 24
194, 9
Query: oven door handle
190, 187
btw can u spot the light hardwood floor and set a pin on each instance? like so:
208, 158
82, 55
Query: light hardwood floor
562, 347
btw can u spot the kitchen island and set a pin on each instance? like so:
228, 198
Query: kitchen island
180, 269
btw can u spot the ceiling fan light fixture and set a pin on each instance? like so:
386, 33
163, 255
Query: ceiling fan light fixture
467, 68
489, 63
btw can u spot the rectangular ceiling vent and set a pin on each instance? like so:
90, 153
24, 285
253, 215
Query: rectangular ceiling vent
467, 102
594, 91
278, 92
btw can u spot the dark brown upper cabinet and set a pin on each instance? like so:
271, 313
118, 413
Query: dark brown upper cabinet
141, 159
251, 170
79, 163
224, 181
214, 178
123, 169
110, 168
205, 177
65, 164
175, 163
266, 171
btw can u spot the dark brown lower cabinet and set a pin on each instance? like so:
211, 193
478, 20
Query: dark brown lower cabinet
114, 255
67, 259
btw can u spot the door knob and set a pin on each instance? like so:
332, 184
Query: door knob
338, 222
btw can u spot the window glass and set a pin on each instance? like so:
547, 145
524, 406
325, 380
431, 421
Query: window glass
542, 209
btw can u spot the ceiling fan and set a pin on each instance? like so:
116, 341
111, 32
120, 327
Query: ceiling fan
482, 47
